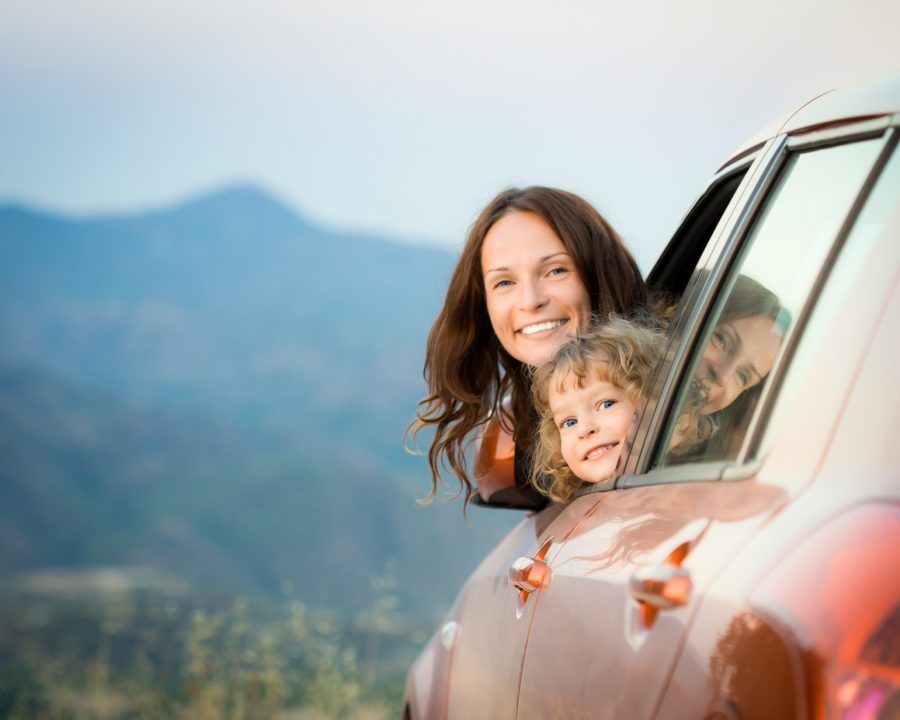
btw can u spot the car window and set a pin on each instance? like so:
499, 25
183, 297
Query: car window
671, 273
759, 301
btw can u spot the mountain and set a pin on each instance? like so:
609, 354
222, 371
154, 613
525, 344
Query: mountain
230, 303
219, 389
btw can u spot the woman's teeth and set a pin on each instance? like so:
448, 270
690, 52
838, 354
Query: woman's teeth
540, 327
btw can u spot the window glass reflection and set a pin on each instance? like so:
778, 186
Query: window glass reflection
759, 302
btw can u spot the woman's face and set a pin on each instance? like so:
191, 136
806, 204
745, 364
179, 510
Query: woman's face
535, 299
740, 354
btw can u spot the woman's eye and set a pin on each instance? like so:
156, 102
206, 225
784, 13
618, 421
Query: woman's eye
605, 404
567, 423
720, 340
502, 283
559, 270
743, 376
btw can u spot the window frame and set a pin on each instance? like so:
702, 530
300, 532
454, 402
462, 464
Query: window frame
716, 262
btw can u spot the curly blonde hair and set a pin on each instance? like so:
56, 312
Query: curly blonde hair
619, 351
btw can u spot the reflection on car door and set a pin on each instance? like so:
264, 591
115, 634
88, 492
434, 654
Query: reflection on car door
594, 651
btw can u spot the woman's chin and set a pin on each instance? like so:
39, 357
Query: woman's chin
711, 407
535, 351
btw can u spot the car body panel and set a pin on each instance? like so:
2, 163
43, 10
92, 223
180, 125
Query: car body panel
875, 98
427, 681
489, 627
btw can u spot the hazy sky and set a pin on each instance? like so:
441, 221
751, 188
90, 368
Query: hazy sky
405, 117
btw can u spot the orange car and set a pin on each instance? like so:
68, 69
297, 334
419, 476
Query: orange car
757, 574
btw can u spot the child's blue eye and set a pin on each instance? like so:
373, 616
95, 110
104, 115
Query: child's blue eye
605, 404
567, 423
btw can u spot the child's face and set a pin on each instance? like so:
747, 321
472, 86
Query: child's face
593, 422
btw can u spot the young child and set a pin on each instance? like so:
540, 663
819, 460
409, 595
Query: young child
587, 394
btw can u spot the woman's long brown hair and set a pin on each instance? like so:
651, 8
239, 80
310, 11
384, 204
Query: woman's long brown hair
467, 370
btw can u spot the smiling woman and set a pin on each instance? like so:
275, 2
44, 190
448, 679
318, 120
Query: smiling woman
537, 263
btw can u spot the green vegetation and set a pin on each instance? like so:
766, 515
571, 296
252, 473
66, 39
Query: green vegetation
148, 655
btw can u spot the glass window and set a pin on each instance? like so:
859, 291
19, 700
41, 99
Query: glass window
758, 303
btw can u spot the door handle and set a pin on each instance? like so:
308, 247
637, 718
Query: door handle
529, 574
663, 587
660, 587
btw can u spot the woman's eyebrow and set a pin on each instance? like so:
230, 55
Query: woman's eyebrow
544, 259
496, 269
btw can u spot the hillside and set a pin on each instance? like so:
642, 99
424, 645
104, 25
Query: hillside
218, 390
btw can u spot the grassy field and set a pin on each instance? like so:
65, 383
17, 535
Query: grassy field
151, 655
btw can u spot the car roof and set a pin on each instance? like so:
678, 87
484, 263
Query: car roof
874, 98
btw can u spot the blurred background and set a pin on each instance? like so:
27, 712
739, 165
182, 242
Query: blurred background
225, 229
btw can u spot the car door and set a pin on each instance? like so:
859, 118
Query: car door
800, 608
626, 582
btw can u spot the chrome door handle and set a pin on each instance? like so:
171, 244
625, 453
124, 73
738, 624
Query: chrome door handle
528, 574
661, 586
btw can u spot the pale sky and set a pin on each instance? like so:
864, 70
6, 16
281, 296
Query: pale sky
405, 117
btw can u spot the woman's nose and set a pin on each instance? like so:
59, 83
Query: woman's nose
720, 371
532, 295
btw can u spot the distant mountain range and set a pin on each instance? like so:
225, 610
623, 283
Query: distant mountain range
218, 390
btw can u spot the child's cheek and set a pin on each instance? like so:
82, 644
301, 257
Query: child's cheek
566, 447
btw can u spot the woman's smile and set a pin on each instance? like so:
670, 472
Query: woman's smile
542, 327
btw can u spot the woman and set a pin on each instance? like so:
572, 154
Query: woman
537, 263
739, 355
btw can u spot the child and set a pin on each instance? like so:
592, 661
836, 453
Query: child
587, 395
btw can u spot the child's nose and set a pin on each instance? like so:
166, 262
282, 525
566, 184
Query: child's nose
588, 427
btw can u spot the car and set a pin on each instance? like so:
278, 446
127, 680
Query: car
756, 575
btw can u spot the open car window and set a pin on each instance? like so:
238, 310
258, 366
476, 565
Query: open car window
758, 303
678, 261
